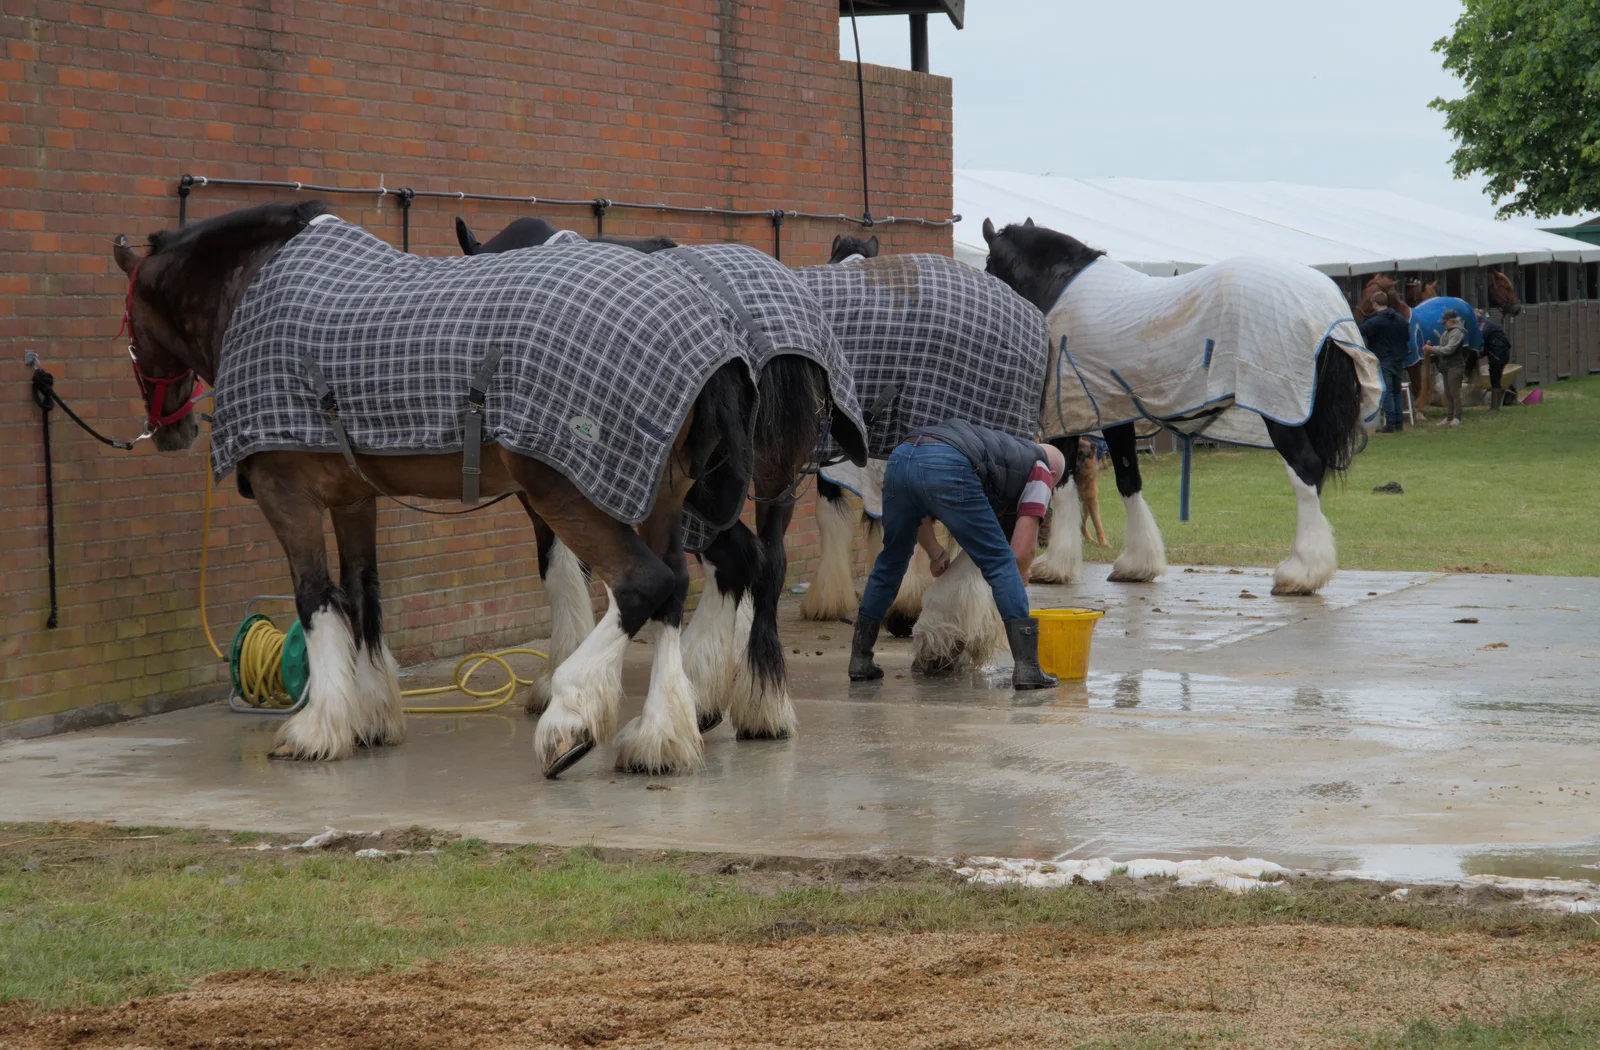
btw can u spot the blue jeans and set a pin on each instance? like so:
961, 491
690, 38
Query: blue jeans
935, 481
1394, 408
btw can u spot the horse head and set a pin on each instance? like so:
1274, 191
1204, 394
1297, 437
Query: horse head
181, 296
1036, 262
847, 247
1503, 294
1426, 292
531, 233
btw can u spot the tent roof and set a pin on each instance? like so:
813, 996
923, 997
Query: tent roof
1168, 228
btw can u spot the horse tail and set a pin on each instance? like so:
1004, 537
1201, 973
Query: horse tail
1334, 429
720, 442
793, 406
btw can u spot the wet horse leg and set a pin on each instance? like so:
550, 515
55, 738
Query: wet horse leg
1144, 555
332, 721
832, 594
1312, 558
665, 738
762, 709
377, 678
1062, 560
720, 629
566, 589
585, 689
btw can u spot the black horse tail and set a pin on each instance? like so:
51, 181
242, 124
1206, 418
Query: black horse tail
1334, 429
793, 406
721, 448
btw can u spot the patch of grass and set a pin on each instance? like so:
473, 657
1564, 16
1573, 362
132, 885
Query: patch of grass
102, 919
1561, 1029
1503, 493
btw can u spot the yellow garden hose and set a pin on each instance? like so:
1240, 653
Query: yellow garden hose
260, 656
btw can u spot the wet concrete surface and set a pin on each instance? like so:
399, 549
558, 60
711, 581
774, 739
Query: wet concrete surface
1360, 729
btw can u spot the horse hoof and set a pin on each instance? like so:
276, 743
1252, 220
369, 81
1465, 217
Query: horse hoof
761, 734
282, 753
709, 720
567, 755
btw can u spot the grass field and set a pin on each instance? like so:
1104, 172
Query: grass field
485, 946
1514, 492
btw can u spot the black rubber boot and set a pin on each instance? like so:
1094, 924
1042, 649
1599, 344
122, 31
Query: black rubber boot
1497, 398
1023, 637
862, 668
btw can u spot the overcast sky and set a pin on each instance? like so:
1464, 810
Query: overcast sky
1174, 89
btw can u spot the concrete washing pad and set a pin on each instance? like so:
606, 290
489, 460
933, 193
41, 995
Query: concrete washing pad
1361, 729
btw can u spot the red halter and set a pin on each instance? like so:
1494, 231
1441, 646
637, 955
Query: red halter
154, 389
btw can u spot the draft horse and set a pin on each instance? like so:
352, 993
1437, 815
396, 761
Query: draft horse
1042, 264
745, 571
182, 296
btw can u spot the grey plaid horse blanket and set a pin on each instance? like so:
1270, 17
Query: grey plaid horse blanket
601, 353
772, 314
930, 339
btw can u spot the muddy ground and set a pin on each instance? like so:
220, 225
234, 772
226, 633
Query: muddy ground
1342, 982
1283, 986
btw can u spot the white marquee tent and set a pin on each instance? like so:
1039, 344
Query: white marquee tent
1167, 228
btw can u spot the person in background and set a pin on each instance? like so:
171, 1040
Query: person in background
1497, 351
992, 491
1450, 357
1389, 338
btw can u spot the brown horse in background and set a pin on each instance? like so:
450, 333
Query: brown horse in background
1503, 295
181, 297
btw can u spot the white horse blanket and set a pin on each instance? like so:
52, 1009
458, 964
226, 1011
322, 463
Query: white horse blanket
1212, 352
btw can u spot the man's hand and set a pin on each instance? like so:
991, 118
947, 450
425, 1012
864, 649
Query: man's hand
938, 557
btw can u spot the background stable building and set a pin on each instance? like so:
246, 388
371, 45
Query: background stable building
1164, 228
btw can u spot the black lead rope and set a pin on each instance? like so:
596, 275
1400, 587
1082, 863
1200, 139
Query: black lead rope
45, 396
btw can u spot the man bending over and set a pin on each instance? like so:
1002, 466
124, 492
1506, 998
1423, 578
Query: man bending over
983, 485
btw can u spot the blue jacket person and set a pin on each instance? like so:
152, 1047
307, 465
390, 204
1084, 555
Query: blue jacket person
984, 486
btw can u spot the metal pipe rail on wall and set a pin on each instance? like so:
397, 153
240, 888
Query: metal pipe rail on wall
598, 206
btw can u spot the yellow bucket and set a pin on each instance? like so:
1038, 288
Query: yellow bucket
1064, 636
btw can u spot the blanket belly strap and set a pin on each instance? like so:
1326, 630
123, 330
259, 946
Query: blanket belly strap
330, 407
472, 442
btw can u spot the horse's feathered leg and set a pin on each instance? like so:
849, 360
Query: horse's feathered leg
566, 590
1312, 558
1062, 560
719, 633
761, 708
832, 594
377, 677
665, 738
331, 723
1144, 555
585, 689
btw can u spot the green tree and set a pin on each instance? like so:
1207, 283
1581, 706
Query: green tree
1530, 118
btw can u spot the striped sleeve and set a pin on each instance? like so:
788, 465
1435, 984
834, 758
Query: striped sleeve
1035, 501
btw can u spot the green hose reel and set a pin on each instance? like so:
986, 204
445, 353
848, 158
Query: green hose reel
246, 660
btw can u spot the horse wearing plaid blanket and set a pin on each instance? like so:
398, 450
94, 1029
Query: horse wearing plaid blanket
1286, 364
208, 302
804, 388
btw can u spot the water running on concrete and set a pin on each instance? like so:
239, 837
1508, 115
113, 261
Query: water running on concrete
1361, 729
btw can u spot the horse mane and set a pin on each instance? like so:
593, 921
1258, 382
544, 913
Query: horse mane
240, 231
1039, 262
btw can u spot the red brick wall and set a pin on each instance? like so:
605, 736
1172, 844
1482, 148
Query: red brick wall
105, 103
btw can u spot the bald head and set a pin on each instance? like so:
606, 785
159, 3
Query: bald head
1057, 463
